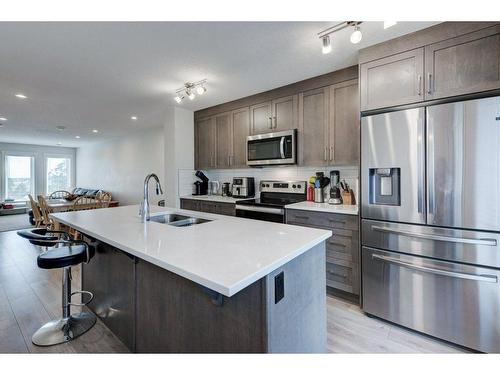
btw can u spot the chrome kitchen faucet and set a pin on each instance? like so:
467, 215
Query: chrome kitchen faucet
144, 209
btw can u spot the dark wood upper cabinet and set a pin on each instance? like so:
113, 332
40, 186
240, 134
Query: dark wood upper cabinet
261, 118
463, 65
223, 136
205, 143
313, 127
276, 115
344, 123
240, 131
393, 80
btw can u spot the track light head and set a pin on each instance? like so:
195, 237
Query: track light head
178, 98
356, 35
200, 90
327, 46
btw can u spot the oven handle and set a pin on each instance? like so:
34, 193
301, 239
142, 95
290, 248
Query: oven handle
269, 210
282, 147
436, 271
436, 237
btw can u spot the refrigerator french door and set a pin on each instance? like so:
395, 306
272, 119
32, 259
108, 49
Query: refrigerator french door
431, 220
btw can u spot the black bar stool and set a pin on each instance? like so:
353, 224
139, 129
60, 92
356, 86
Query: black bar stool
65, 254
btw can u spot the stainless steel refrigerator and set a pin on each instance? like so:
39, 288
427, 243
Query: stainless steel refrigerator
430, 180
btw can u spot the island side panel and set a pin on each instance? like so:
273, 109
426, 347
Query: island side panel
110, 276
297, 323
175, 315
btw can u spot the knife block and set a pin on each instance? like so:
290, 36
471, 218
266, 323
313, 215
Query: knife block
348, 197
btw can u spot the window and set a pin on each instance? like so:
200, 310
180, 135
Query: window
19, 177
58, 174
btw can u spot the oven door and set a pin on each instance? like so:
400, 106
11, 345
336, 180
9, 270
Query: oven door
276, 215
271, 148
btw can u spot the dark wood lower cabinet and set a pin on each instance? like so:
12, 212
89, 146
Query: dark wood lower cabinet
211, 207
153, 310
342, 249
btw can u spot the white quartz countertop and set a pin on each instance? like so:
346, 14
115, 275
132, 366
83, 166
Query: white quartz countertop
324, 207
226, 254
214, 198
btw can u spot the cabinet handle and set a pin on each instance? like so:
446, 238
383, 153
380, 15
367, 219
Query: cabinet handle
270, 122
331, 153
429, 83
337, 221
275, 122
302, 217
419, 84
324, 156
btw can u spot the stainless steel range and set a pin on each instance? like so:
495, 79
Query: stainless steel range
274, 196
431, 220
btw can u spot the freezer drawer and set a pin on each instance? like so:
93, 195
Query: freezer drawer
393, 166
463, 164
464, 246
454, 302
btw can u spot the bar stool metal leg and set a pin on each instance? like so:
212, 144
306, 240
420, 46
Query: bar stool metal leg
69, 326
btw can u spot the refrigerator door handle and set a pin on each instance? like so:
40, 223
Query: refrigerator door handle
436, 271
420, 166
437, 237
430, 169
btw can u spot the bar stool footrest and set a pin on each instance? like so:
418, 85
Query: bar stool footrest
90, 294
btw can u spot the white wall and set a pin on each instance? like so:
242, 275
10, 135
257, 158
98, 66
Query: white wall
119, 166
179, 150
39, 153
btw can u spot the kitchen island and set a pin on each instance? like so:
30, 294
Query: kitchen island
225, 285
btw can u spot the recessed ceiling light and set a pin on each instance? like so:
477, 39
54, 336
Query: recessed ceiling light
77, 136
3, 119
388, 24
21, 96
61, 128
59, 143
95, 131
134, 118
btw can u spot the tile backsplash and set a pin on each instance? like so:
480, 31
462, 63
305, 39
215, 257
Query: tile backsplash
187, 177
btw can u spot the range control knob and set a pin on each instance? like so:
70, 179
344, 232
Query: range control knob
299, 186
293, 186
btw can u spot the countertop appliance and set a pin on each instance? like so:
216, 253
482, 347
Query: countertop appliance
213, 187
335, 195
201, 187
226, 189
272, 148
243, 187
274, 196
431, 220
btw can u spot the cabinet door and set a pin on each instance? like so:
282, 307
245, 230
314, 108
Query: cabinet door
190, 204
344, 124
209, 207
205, 144
223, 139
240, 132
285, 113
261, 118
313, 127
394, 80
463, 65
225, 209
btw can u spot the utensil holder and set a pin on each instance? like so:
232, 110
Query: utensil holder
348, 197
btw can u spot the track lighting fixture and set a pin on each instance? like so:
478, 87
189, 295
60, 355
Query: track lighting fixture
327, 46
188, 90
325, 34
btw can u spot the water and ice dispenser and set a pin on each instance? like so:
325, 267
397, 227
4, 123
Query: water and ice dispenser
385, 186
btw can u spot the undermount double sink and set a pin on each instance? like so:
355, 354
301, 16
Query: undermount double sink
177, 220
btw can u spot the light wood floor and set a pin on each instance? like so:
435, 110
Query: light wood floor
30, 297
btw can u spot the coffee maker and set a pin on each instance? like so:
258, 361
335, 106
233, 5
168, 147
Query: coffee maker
335, 195
201, 187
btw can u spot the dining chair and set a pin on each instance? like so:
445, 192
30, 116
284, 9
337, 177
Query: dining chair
45, 211
105, 198
86, 203
59, 194
37, 214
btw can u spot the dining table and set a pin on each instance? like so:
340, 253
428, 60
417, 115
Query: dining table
61, 204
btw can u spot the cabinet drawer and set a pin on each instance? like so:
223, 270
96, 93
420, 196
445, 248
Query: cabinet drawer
343, 276
225, 209
190, 204
343, 245
301, 217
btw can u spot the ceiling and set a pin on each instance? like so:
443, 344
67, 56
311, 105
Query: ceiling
85, 76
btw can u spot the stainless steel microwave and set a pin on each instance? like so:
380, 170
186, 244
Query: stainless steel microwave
272, 148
